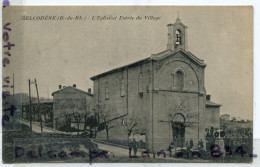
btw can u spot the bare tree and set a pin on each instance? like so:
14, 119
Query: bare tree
50, 112
105, 117
46, 110
80, 111
93, 120
77, 117
86, 114
67, 116
131, 122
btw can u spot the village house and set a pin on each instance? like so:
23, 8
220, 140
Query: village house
225, 117
69, 102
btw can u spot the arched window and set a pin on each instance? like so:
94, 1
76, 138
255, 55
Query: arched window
178, 37
140, 83
106, 92
179, 80
122, 87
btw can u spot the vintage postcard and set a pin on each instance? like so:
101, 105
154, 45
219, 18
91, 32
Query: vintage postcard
127, 84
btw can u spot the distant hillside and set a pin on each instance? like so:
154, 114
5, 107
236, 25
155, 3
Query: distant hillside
23, 98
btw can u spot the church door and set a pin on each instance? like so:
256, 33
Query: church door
178, 130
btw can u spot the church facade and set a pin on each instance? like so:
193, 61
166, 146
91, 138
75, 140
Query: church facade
160, 99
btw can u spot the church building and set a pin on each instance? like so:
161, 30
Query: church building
160, 99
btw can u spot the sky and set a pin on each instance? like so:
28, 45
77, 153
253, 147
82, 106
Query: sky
71, 51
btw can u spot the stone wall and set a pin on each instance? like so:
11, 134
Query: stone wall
131, 105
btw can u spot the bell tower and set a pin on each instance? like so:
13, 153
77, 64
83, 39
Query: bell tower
177, 35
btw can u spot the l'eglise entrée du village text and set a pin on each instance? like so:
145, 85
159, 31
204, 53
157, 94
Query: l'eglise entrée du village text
93, 18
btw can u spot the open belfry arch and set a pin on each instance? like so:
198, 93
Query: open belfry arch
177, 35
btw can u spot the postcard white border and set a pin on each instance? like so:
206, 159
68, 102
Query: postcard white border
255, 3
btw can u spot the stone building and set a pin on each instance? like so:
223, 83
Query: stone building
225, 117
162, 97
68, 101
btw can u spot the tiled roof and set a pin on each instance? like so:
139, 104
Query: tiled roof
157, 56
211, 104
72, 88
120, 68
167, 53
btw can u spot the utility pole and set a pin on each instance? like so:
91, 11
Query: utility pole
13, 88
48, 91
13, 93
30, 103
38, 106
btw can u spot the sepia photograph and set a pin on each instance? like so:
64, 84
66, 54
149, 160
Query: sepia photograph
127, 84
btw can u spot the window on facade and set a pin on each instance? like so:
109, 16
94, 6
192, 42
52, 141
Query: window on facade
173, 84
122, 88
178, 37
106, 92
140, 83
179, 80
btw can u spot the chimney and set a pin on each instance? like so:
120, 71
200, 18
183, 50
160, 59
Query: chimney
89, 90
60, 86
207, 97
74, 85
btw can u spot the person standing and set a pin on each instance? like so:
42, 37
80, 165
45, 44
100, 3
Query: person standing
135, 147
201, 144
191, 144
188, 149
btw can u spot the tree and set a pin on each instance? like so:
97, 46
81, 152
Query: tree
224, 127
233, 119
92, 123
67, 116
86, 114
46, 110
77, 117
93, 120
50, 112
130, 123
34, 112
105, 117
79, 111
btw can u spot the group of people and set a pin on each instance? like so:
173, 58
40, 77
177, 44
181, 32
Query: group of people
190, 144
